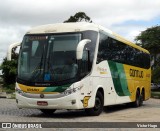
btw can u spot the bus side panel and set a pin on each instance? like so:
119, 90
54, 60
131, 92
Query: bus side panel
101, 77
105, 76
120, 82
138, 78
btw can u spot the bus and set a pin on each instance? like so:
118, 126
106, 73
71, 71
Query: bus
80, 66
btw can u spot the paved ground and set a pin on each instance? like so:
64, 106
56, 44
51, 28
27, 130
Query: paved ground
150, 111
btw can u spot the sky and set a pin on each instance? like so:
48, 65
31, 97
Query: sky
125, 17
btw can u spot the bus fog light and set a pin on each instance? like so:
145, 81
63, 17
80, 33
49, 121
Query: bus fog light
73, 102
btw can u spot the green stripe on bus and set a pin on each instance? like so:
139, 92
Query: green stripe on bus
115, 77
56, 88
123, 79
119, 78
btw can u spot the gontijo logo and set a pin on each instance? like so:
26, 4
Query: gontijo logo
32, 89
136, 73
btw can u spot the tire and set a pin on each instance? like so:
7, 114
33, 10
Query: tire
48, 112
138, 100
142, 98
98, 107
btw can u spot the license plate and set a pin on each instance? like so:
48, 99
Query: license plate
42, 103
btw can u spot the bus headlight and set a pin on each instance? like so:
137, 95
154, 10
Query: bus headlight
73, 90
19, 91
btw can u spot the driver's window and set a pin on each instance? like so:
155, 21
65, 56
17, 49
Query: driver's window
24, 62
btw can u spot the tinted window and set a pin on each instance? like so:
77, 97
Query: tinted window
90, 47
114, 50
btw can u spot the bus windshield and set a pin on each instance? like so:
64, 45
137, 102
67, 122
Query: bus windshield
48, 58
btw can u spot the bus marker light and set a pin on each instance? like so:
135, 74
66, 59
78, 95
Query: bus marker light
42, 103
85, 101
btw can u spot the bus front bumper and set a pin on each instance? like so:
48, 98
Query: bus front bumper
71, 101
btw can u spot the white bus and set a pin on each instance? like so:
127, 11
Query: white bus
80, 66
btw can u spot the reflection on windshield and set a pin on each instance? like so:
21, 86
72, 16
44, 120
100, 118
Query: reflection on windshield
48, 58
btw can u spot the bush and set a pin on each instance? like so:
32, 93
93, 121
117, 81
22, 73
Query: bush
9, 71
156, 74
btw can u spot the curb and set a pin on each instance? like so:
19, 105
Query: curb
7, 95
3, 95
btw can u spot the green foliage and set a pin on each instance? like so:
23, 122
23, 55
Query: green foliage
156, 74
78, 17
14, 54
9, 71
9, 88
150, 40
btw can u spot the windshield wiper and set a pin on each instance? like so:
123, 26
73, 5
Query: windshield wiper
38, 68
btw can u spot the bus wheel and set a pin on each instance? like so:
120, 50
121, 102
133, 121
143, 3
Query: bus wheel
141, 98
98, 107
138, 100
48, 111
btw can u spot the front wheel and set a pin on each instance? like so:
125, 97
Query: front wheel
98, 107
48, 111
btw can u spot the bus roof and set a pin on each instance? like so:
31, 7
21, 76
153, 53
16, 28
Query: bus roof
64, 27
77, 27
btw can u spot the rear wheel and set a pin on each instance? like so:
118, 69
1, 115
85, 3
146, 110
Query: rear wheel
48, 111
142, 98
98, 107
138, 100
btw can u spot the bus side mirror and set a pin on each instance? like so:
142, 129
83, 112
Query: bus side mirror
9, 52
80, 48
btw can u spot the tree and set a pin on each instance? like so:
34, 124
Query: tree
78, 17
14, 53
156, 72
150, 40
9, 68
